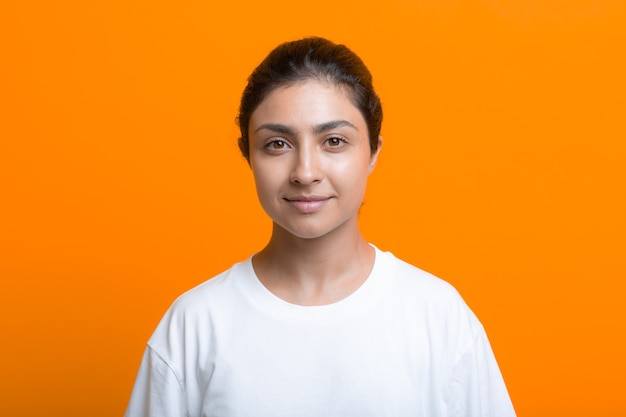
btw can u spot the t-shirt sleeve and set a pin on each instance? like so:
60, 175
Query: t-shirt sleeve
157, 391
476, 387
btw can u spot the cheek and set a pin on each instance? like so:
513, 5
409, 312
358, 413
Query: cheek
260, 181
352, 173
264, 182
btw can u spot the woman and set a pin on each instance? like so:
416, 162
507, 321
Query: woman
319, 322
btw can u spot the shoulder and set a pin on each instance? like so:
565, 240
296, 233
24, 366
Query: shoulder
195, 310
221, 288
435, 301
414, 281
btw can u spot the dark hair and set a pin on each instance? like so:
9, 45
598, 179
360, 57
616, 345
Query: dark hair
311, 58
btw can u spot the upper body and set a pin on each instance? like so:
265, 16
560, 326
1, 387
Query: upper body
318, 322
403, 344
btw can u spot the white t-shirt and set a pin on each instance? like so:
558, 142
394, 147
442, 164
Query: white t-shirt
403, 344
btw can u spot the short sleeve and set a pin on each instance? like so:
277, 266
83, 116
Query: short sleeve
157, 391
476, 387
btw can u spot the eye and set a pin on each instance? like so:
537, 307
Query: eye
277, 145
335, 142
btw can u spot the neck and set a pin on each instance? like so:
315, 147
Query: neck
315, 271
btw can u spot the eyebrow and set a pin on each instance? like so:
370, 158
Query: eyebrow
278, 128
321, 128
332, 125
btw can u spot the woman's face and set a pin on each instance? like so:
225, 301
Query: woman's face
310, 156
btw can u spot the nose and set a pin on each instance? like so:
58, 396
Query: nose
307, 167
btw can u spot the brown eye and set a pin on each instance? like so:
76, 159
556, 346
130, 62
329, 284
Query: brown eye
277, 144
335, 142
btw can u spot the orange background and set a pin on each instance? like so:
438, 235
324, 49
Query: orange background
503, 172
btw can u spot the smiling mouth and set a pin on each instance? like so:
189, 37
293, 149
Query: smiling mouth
307, 205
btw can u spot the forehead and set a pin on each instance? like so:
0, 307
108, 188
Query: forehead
307, 102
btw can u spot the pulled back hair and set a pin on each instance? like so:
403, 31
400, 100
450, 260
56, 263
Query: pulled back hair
311, 59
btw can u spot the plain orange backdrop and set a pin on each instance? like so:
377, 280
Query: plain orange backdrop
503, 172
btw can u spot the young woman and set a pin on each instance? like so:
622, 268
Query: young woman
319, 322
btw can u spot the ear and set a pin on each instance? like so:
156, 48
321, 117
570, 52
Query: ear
374, 156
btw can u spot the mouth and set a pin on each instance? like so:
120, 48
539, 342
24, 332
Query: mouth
307, 204
305, 198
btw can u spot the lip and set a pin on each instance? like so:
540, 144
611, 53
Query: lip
307, 204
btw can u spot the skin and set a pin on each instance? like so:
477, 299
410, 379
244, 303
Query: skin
310, 157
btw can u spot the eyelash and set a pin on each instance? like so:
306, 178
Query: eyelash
340, 141
282, 144
270, 145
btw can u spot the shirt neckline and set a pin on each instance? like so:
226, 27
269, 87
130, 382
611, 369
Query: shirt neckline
266, 302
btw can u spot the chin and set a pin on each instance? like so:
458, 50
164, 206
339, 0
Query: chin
312, 230
307, 234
